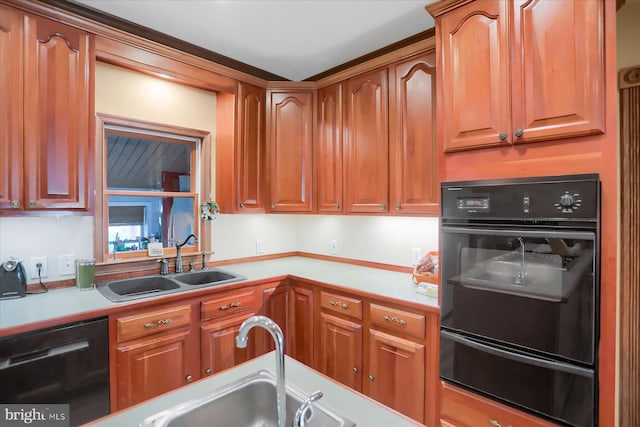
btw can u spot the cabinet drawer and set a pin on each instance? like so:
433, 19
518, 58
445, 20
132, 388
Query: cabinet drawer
397, 320
229, 303
464, 409
140, 325
340, 304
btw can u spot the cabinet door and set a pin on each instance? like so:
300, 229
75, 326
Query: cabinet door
340, 353
290, 151
474, 73
413, 149
11, 126
367, 140
328, 149
149, 367
276, 307
250, 148
396, 374
300, 339
56, 107
557, 65
218, 345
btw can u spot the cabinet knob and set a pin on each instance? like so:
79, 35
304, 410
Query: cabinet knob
398, 206
370, 377
241, 205
337, 206
519, 132
188, 378
208, 371
382, 205
32, 203
15, 204
273, 205
502, 136
355, 370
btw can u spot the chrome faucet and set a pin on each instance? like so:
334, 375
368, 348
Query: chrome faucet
300, 420
179, 253
275, 331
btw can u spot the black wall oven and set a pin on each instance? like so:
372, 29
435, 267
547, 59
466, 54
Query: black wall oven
520, 293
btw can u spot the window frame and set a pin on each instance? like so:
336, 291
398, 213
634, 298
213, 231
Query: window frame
201, 182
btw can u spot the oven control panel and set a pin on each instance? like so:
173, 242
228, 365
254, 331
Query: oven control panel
569, 202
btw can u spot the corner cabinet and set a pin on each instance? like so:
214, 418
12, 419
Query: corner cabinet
289, 149
47, 86
535, 73
367, 143
414, 185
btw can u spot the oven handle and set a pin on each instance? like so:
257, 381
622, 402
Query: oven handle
582, 235
542, 363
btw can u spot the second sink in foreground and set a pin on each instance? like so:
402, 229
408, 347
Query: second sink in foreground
249, 401
151, 286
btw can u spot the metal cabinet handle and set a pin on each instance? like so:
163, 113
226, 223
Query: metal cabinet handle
337, 206
15, 203
188, 378
519, 132
355, 370
32, 203
398, 206
208, 371
241, 205
502, 136
232, 305
382, 205
273, 205
157, 323
370, 377
338, 304
394, 319
494, 423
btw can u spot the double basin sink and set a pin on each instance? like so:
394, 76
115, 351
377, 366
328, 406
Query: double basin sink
151, 286
249, 401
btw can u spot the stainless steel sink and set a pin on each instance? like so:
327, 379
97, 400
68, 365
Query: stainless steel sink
250, 401
150, 286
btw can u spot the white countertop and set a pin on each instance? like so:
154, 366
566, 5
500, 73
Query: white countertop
339, 399
65, 302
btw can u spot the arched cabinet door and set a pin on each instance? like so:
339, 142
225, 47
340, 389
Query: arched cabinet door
56, 115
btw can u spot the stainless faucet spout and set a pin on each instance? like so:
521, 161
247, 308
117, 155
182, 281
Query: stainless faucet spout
179, 251
275, 331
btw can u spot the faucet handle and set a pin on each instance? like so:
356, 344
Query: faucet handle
300, 419
164, 266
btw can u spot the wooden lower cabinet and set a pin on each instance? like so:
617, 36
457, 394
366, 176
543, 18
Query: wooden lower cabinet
218, 345
340, 355
301, 322
275, 305
395, 374
462, 408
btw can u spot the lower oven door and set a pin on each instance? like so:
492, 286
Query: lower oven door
534, 289
560, 391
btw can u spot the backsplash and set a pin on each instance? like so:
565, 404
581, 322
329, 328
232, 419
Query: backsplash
386, 240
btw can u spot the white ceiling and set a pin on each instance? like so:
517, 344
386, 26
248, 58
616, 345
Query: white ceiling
295, 39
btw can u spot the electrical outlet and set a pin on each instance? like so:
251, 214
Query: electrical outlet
66, 265
416, 256
33, 264
333, 247
259, 246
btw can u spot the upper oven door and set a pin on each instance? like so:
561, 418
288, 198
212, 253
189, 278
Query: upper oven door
532, 288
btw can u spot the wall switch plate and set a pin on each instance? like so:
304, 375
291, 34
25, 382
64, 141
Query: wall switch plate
66, 265
33, 267
259, 246
333, 249
416, 256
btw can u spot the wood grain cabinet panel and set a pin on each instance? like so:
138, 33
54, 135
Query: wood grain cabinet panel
11, 124
48, 83
275, 305
367, 143
395, 373
218, 345
290, 151
413, 157
535, 72
301, 323
328, 149
339, 355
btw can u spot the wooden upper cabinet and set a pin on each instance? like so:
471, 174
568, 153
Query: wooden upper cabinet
250, 123
329, 149
520, 71
11, 124
367, 143
474, 75
413, 156
56, 107
290, 150
557, 69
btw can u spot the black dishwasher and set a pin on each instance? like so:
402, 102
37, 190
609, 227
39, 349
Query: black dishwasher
66, 364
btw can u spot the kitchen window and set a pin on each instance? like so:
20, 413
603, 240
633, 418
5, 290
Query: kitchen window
150, 188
